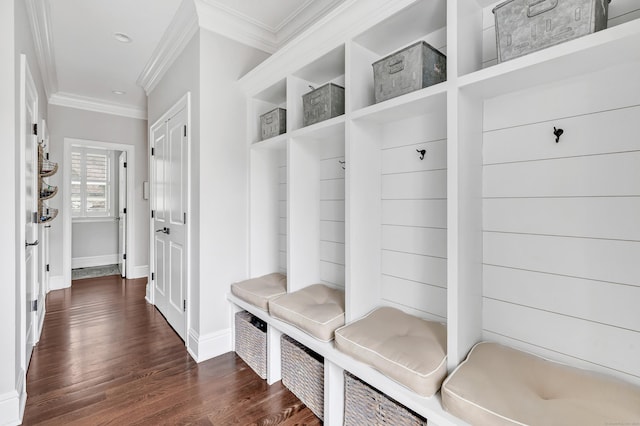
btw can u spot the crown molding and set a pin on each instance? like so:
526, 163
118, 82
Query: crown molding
182, 28
70, 100
39, 12
302, 19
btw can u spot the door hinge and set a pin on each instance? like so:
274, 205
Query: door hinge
153, 213
185, 130
124, 211
47, 267
125, 165
153, 151
35, 217
34, 305
35, 128
184, 305
184, 218
124, 256
153, 276
46, 156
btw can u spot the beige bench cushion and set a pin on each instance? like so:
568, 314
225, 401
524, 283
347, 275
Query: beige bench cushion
317, 310
498, 385
408, 349
258, 291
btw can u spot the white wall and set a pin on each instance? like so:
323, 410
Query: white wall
80, 124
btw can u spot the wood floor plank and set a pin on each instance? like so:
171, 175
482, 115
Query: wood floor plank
106, 357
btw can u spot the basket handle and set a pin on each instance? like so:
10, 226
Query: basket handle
537, 7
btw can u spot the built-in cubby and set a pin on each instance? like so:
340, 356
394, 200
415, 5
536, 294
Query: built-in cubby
499, 229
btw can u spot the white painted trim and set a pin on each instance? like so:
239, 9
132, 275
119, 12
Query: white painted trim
139, 272
182, 28
66, 200
58, 283
39, 12
12, 403
86, 103
90, 261
202, 348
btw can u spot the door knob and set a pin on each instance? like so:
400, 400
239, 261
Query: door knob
164, 230
35, 243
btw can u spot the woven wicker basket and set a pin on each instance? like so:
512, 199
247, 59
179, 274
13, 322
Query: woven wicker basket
251, 344
364, 405
303, 374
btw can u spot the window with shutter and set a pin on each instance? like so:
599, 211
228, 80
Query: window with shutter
91, 183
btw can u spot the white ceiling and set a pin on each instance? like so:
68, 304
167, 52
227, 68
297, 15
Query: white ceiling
85, 63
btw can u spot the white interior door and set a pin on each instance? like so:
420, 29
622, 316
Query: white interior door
122, 213
169, 186
30, 176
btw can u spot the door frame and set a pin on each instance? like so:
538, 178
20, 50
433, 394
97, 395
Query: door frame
125, 224
69, 143
183, 103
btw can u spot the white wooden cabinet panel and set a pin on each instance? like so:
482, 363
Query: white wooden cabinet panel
566, 98
332, 273
593, 217
424, 128
590, 176
621, 19
415, 186
603, 302
601, 344
332, 189
332, 252
598, 133
414, 267
431, 213
425, 241
332, 210
332, 231
416, 295
406, 158
604, 260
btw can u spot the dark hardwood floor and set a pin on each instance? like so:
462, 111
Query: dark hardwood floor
107, 357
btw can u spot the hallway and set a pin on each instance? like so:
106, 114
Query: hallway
108, 357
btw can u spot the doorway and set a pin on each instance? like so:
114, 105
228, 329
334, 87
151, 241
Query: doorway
97, 208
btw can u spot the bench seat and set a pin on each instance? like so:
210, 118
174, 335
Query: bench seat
259, 291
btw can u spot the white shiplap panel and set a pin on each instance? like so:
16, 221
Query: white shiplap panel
430, 213
282, 226
566, 98
413, 130
415, 186
282, 174
331, 149
604, 260
283, 262
282, 192
424, 241
332, 168
613, 347
332, 231
583, 135
406, 158
594, 217
332, 252
332, 210
332, 189
332, 273
603, 302
283, 243
419, 296
598, 175
414, 267
282, 208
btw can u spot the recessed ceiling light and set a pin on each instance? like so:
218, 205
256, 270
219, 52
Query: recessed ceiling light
122, 37
118, 92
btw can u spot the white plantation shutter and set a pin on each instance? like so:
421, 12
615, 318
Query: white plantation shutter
91, 182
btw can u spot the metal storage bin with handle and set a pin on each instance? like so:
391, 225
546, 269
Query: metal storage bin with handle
273, 123
524, 26
412, 68
322, 103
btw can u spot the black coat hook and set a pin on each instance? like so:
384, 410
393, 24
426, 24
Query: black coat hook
342, 163
422, 153
557, 133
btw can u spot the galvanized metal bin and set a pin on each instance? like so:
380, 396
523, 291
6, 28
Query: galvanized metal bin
412, 68
525, 26
273, 123
323, 103
364, 405
251, 342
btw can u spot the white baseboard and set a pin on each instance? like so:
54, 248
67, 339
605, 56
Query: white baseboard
139, 272
12, 404
202, 348
90, 261
42, 311
57, 282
